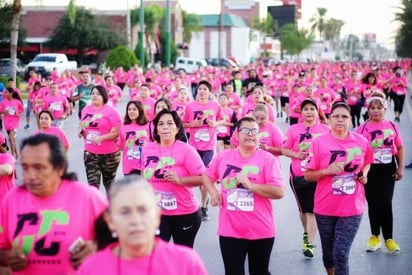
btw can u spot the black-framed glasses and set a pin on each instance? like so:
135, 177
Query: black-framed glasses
249, 131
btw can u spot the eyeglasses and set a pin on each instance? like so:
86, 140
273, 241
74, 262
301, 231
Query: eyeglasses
344, 117
249, 131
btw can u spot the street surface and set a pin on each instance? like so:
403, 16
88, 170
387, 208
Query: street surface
287, 257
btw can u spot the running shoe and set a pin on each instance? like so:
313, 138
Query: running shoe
27, 126
374, 243
409, 166
305, 240
309, 250
392, 247
205, 215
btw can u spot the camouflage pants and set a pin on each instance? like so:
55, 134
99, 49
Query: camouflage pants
101, 166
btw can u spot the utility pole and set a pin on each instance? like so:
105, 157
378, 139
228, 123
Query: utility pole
128, 27
167, 35
141, 29
220, 33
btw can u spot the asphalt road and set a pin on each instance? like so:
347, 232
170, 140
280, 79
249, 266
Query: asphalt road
287, 257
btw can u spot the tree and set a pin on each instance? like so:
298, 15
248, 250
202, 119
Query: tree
191, 24
5, 26
121, 56
332, 30
403, 38
293, 40
14, 34
267, 26
88, 32
318, 22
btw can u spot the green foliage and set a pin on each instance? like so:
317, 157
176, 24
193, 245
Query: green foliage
5, 26
268, 26
88, 32
293, 40
145, 56
403, 38
3, 79
72, 12
174, 52
191, 24
121, 56
318, 21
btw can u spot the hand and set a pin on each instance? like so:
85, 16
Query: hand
172, 176
78, 256
300, 155
243, 179
216, 200
398, 174
334, 169
212, 123
16, 259
263, 146
197, 123
362, 179
97, 140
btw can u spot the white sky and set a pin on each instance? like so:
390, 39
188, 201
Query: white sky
360, 16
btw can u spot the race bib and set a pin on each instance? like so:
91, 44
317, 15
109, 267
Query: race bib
344, 184
303, 165
11, 111
239, 199
202, 135
133, 153
382, 155
222, 129
166, 200
55, 106
91, 135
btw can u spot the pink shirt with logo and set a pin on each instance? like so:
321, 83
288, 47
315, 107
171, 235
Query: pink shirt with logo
148, 104
227, 114
55, 131
203, 138
399, 85
7, 181
248, 109
384, 138
244, 214
166, 258
132, 138
298, 139
57, 104
173, 198
115, 94
46, 227
11, 110
98, 122
341, 195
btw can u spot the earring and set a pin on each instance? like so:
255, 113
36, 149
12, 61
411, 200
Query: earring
157, 232
114, 235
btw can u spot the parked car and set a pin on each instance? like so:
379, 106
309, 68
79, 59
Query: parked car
44, 63
223, 62
189, 65
5, 67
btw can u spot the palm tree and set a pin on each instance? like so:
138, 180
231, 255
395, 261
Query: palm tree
318, 22
267, 26
403, 39
14, 35
191, 24
332, 30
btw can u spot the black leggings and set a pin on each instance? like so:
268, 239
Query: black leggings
336, 235
398, 101
379, 193
183, 228
355, 112
234, 253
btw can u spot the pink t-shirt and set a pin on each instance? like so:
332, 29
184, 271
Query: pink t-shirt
55, 131
341, 195
173, 199
249, 107
203, 138
167, 258
115, 93
132, 138
148, 104
384, 138
11, 110
399, 85
244, 214
224, 131
298, 139
269, 134
235, 102
7, 181
57, 104
97, 122
326, 97
46, 227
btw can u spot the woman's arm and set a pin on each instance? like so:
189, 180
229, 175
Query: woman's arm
264, 190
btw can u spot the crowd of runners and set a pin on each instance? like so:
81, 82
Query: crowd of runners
215, 129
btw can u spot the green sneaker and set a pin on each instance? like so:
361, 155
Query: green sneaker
305, 240
309, 250
374, 243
